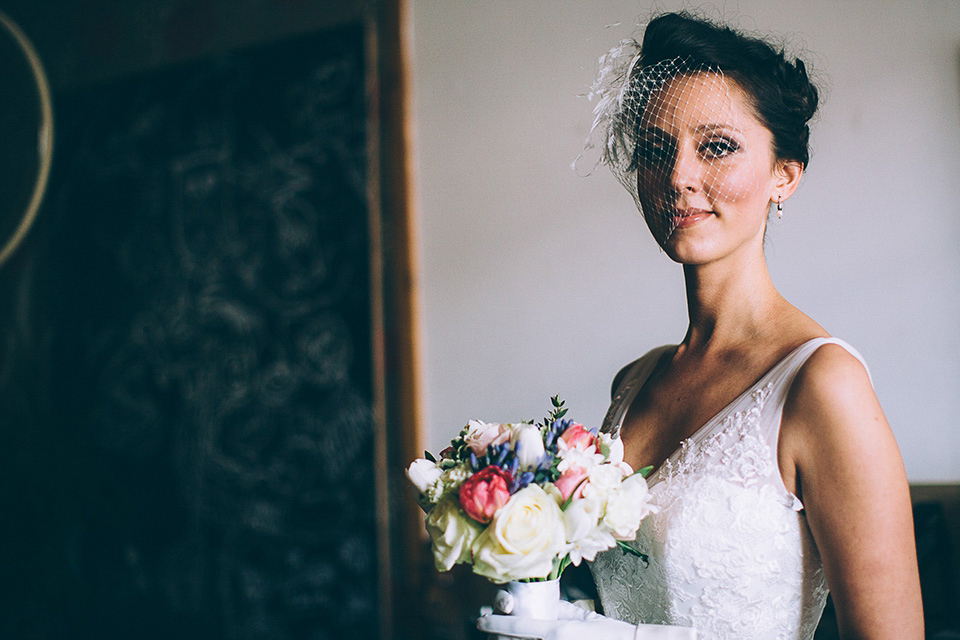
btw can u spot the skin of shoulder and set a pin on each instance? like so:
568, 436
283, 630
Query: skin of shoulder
838, 454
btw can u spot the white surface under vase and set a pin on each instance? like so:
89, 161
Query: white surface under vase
540, 600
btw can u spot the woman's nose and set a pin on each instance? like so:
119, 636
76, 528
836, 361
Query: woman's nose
687, 170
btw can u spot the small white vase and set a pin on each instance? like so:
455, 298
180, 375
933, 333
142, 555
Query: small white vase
540, 600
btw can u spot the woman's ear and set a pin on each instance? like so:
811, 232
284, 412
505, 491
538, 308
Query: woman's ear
788, 176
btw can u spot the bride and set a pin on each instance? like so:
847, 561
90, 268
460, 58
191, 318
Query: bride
776, 473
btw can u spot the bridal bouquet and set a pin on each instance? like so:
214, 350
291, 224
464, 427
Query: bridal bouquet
522, 501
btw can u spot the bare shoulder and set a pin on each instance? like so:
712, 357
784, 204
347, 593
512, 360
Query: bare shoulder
832, 421
831, 361
832, 389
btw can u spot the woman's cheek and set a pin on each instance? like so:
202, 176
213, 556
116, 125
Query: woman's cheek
733, 185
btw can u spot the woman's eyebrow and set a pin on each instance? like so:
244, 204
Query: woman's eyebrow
714, 127
710, 127
652, 131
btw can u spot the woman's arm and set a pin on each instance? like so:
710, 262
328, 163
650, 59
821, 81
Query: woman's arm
851, 480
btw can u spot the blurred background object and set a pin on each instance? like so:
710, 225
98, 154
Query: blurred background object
26, 117
197, 437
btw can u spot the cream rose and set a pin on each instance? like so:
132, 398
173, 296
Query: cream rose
523, 540
452, 533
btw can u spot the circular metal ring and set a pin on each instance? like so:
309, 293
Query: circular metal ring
44, 136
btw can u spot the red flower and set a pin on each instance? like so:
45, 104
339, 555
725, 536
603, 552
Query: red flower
576, 435
483, 493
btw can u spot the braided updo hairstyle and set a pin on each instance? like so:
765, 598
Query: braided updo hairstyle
782, 95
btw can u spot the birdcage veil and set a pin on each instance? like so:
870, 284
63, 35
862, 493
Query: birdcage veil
654, 122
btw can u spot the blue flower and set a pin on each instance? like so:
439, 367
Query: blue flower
521, 481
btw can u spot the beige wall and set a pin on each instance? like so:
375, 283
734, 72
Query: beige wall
537, 281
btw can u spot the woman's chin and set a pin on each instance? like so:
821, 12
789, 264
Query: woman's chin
686, 251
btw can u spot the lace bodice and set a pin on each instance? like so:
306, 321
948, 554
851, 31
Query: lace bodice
730, 552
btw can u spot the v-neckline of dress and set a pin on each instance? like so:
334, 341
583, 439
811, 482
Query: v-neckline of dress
706, 427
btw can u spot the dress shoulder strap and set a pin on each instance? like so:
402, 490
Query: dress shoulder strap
780, 379
637, 373
786, 370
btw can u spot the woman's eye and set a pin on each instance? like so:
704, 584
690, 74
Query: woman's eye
719, 147
653, 150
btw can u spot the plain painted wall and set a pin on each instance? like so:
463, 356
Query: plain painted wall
538, 281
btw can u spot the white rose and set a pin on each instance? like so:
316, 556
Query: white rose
423, 474
626, 506
527, 441
452, 533
523, 539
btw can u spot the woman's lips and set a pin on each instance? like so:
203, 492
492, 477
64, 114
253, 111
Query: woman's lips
683, 218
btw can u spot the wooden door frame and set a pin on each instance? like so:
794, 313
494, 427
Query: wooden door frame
396, 323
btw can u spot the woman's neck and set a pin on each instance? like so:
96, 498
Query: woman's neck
730, 302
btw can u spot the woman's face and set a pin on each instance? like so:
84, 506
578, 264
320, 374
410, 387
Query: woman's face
705, 173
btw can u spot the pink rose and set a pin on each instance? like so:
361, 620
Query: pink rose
481, 434
569, 482
577, 437
483, 493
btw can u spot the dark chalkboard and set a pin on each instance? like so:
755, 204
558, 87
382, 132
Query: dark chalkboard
195, 407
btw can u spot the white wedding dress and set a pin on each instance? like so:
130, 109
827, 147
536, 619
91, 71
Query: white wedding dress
730, 552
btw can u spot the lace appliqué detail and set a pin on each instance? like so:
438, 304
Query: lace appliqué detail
736, 449
729, 553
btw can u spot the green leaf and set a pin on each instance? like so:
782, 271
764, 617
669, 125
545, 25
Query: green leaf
429, 456
628, 550
559, 566
644, 472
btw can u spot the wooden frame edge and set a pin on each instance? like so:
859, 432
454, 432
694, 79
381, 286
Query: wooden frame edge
398, 438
